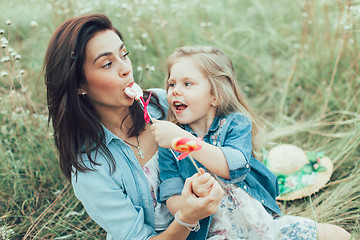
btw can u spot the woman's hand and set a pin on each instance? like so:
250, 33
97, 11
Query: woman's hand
193, 208
165, 132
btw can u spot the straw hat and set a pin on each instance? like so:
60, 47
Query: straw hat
299, 174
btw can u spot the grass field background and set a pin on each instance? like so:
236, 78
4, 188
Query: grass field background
296, 61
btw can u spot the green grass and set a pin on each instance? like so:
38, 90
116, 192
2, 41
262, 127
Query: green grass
296, 61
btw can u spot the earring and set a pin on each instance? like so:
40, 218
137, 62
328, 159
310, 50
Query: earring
81, 92
213, 104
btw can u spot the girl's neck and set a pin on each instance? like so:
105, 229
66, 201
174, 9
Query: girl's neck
202, 126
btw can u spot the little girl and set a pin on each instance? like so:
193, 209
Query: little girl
205, 101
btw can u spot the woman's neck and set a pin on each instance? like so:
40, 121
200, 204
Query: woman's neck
118, 121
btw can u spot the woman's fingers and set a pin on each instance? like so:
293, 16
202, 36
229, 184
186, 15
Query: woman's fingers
194, 208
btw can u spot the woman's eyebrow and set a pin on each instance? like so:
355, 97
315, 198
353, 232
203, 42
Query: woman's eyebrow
107, 53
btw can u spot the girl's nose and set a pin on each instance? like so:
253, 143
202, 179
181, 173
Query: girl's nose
176, 91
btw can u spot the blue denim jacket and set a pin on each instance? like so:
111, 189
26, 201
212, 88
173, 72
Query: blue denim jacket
120, 202
232, 134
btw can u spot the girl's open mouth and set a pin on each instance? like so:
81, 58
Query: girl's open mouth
179, 106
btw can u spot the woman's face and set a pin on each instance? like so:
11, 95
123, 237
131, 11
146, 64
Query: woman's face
108, 72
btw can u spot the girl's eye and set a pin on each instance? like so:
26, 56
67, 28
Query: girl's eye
108, 65
171, 85
187, 84
123, 57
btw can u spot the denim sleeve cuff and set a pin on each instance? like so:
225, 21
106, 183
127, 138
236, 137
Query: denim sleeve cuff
238, 165
170, 187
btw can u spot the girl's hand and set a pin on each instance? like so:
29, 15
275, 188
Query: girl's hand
202, 185
193, 208
165, 132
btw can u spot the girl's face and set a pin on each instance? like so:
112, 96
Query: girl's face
108, 72
189, 94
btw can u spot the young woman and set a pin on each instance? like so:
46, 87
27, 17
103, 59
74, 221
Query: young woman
103, 141
205, 100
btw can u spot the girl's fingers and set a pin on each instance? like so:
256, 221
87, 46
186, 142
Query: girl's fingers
201, 171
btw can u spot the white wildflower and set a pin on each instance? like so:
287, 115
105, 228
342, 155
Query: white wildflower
3, 73
144, 35
33, 24
5, 59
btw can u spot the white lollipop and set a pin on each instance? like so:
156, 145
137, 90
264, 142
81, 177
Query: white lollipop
134, 91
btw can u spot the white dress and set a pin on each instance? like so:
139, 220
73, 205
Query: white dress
239, 216
162, 215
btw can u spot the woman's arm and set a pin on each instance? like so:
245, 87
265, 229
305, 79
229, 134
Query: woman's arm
110, 206
191, 208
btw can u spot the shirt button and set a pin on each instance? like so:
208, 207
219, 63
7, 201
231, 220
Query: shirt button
262, 200
147, 202
247, 165
245, 187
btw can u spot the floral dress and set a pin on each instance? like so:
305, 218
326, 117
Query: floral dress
162, 215
241, 216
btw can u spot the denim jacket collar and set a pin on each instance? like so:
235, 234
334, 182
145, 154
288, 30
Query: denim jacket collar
214, 126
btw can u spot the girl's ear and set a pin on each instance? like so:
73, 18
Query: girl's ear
214, 101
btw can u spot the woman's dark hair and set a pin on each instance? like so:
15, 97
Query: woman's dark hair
75, 122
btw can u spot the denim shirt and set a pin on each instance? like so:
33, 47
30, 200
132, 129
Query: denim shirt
120, 202
232, 134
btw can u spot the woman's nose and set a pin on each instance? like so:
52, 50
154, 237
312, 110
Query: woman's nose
124, 69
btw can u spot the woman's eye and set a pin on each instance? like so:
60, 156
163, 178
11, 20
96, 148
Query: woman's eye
171, 85
187, 84
123, 57
108, 65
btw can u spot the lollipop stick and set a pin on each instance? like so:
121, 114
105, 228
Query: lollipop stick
151, 122
193, 162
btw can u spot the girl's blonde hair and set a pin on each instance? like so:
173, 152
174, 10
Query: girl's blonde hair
218, 69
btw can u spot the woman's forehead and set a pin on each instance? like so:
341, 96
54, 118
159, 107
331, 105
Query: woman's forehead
103, 42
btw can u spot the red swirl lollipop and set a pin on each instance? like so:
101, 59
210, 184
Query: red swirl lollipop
185, 146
